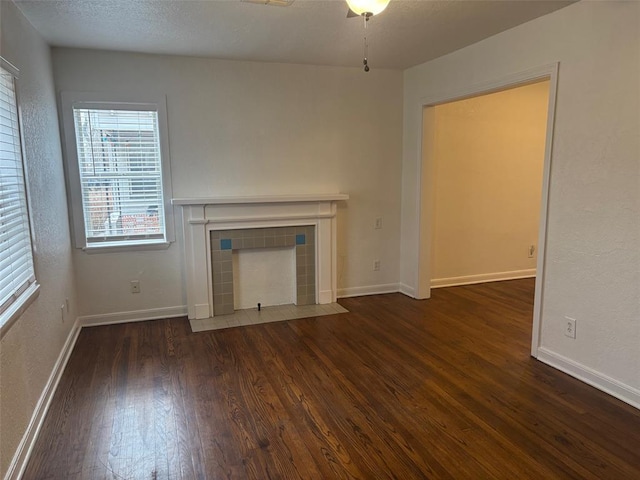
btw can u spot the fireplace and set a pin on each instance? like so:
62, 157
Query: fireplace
225, 242
214, 227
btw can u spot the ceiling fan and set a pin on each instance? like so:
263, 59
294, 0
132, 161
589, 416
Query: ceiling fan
357, 8
365, 9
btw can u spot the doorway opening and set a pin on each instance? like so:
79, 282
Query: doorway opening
484, 184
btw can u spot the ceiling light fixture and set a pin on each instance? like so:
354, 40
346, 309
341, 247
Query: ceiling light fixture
366, 9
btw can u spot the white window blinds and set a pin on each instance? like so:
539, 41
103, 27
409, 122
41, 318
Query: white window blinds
120, 166
16, 256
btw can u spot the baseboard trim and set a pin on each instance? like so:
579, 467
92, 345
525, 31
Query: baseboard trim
591, 377
407, 290
133, 316
482, 278
368, 290
23, 452
325, 296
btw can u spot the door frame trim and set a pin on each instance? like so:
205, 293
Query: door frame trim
424, 186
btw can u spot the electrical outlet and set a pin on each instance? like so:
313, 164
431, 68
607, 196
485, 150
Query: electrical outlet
378, 224
531, 251
135, 286
62, 313
376, 265
570, 327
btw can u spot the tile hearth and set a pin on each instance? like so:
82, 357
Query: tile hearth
251, 316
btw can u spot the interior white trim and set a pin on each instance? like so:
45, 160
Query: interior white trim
134, 100
273, 218
544, 210
482, 278
23, 452
368, 290
407, 290
9, 316
132, 316
201, 216
234, 200
326, 296
422, 279
592, 377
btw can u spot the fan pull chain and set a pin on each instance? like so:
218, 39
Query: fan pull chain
366, 51
366, 44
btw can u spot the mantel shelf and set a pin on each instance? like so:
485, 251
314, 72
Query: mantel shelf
235, 200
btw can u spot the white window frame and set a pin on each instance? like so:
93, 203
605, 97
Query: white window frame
29, 292
71, 100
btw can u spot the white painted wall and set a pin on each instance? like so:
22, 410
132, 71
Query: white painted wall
592, 267
29, 350
488, 154
255, 128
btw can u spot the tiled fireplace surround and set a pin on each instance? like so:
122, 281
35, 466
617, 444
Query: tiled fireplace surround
225, 242
212, 225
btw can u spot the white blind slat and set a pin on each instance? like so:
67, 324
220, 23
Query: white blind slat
16, 257
10, 232
120, 168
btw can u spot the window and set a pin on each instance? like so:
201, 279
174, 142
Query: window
118, 171
17, 277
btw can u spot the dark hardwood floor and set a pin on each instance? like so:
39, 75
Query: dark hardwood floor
397, 388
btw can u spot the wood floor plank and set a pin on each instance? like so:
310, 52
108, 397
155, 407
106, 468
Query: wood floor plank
418, 389
280, 437
396, 388
472, 381
319, 439
349, 423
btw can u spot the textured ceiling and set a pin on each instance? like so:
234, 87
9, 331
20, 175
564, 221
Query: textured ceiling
407, 33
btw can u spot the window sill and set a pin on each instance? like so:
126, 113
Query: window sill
8, 318
126, 248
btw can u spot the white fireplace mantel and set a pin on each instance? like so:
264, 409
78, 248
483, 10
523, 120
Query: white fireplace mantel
202, 215
321, 197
